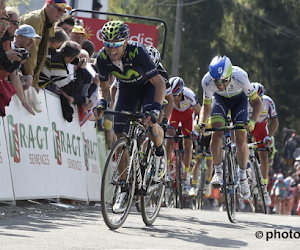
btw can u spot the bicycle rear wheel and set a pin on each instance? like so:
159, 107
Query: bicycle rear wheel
111, 184
151, 203
201, 188
179, 202
229, 186
260, 186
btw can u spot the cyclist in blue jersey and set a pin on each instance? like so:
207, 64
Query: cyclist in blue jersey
227, 87
139, 81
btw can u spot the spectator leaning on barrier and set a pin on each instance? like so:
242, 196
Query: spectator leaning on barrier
59, 75
66, 22
54, 44
42, 21
12, 67
24, 38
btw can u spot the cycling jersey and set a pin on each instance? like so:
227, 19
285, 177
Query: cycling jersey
133, 73
137, 64
163, 74
189, 100
261, 127
268, 110
234, 97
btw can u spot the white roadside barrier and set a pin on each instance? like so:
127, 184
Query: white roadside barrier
48, 157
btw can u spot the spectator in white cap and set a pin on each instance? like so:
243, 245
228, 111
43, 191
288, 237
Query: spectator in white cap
25, 36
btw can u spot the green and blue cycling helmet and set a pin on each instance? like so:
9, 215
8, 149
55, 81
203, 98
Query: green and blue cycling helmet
177, 84
154, 54
260, 89
115, 30
220, 68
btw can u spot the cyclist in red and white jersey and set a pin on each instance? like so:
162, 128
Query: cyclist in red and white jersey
185, 104
264, 133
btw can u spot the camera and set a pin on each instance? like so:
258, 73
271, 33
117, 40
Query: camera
25, 53
75, 61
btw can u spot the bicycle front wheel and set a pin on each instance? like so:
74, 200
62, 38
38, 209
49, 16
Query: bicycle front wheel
112, 184
179, 202
151, 203
229, 186
260, 185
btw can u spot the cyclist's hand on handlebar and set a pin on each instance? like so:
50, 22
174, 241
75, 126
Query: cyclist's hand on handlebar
200, 128
249, 124
152, 114
164, 124
151, 117
98, 110
267, 141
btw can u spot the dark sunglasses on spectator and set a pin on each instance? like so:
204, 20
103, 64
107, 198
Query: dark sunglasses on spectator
221, 81
15, 22
59, 9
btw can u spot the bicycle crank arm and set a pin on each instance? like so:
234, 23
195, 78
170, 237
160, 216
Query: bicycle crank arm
154, 187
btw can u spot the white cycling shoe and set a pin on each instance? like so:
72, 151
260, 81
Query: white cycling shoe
267, 198
217, 180
245, 190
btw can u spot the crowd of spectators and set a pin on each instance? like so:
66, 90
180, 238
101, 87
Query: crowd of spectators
47, 49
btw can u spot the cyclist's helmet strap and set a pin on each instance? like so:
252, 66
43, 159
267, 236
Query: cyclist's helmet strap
177, 84
154, 54
220, 67
115, 30
260, 89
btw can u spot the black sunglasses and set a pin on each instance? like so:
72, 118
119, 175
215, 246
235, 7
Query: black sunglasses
15, 22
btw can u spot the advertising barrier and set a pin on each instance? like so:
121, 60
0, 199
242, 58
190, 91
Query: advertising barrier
30, 151
68, 151
44, 156
92, 162
6, 190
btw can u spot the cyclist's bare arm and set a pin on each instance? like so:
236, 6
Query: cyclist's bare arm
204, 114
169, 107
113, 91
160, 88
274, 124
257, 106
104, 94
197, 110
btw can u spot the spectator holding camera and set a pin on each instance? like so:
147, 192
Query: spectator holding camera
11, 68
42, 21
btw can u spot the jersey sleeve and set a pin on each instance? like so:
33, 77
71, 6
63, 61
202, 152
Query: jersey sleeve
272, 109
192, 97
248, 89
145, 61
207, 92
102, 66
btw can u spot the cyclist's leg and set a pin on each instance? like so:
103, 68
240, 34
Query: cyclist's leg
147, 100
239, 114
173, 125
219, 112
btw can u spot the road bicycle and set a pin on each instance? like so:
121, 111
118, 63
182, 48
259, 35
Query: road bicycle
174, 188
139, 172
255, 180
197, 201
230, 187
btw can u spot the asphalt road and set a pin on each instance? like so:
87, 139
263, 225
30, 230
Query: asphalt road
173, 229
